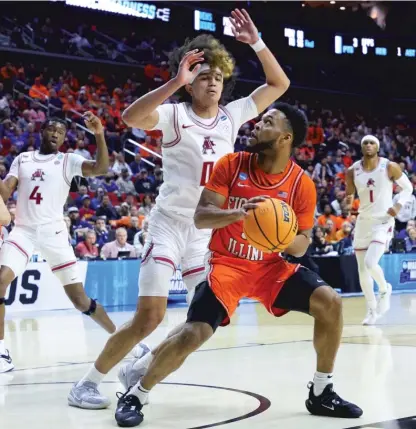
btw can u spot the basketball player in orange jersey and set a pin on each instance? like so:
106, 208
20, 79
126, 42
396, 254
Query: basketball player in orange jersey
196, 133
372, 178
43, 179
237, 270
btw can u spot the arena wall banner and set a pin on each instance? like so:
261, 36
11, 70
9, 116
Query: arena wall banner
113, 283
400, 270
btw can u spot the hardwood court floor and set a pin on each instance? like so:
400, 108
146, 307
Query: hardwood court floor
252, 374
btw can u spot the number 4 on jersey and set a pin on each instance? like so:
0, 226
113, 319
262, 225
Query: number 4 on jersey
35, 195
207, 168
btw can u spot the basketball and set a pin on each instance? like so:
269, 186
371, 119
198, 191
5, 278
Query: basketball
272, 226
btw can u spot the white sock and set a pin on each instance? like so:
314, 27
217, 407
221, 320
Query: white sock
320, 381
144, 362
2, 347
140, 392
92, 375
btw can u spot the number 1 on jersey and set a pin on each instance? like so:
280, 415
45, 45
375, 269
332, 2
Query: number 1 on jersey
207, 168
371, 196
35, 195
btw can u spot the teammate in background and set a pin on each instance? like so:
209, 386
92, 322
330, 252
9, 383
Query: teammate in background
279, 285
43, 179
372, 178
196, 134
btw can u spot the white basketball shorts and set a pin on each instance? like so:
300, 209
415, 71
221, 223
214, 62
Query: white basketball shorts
369, 231
170, 243
52, 242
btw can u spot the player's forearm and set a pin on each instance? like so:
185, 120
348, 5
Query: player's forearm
275, 76
5, 191
349, 199
5, 217
137, 112
299, 246
212, 217
102, 161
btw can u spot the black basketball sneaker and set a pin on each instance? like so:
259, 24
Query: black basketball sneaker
329, 404
128, 412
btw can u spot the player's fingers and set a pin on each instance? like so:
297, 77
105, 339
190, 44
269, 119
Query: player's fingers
250, 206
246, 16
196, 69
240, 15
258, 199
235, 21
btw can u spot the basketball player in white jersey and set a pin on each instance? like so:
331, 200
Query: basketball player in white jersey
195, 135
372, 178
43, 179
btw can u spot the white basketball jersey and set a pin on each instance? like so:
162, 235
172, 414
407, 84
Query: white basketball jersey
375, 190
191, 147
43, 185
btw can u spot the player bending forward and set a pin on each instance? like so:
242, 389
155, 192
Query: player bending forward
373, 178
43, 179
195, 135
238, 182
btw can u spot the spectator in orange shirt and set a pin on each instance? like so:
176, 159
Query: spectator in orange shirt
347, 160
340, 220
330, 231
327, 215
38, 90
315, 133
344, 232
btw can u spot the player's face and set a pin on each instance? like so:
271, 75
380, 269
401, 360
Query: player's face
270, 132
207, 87
369, 148
53, 137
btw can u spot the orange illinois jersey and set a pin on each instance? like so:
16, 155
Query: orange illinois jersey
238, 178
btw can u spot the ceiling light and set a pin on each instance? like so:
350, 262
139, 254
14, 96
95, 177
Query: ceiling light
342, 7
332, 2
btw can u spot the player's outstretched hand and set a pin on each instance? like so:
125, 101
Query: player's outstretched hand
93, 123
243, 27
185, 75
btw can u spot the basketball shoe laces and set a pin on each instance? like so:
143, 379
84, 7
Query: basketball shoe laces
129, 402
329, 397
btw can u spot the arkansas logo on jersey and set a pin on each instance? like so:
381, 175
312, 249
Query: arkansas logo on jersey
38, 174
370, 182
208, 145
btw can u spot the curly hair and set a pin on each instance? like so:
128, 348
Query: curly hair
215, 54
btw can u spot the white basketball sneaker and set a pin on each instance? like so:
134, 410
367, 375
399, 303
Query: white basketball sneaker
371, 317
6, 363
383, 305
87, 396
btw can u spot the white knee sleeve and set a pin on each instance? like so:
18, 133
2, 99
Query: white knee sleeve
372, 259
366, 281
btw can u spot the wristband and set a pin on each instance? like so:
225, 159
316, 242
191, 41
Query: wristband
258, 46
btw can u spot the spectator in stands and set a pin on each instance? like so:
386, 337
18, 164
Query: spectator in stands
133, 230
31, 136
124, 183
120, 164
140, 237
411, 241
322, 170
78, 226
143, 184
404, 233
320, 247
54, 100
338, 203
72, 240
330, 230
326, 215
344, 217
344, 232
109, 184
106, 209
82, 191
8, 160
147, 205
86, 212
80, 150
39, 91
98, 198
24, 120
137, 165
112, 249
315, 133
101, 231
88, 248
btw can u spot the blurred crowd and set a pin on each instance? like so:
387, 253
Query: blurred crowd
108, 215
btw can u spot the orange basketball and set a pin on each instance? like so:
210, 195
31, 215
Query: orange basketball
272, 226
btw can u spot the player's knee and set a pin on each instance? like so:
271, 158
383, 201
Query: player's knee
193, 335
326, 305
369, 263
146, 321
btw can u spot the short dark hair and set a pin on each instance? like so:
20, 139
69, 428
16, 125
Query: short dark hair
297, 122
54, 119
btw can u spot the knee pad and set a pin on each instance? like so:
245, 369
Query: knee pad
91, 310
2, 301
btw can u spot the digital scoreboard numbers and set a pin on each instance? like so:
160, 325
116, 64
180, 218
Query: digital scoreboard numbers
297, 39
